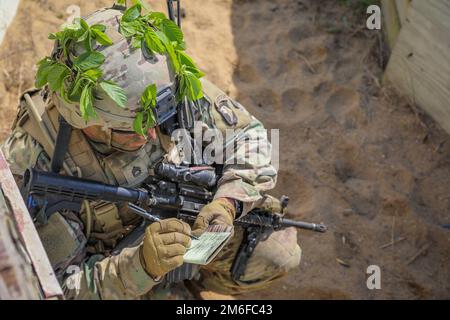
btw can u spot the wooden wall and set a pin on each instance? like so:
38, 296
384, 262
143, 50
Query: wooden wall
418, 33
25, 271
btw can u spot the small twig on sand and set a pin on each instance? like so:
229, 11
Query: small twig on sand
342, 263
6, 73
384, 246
306, 61
420, 252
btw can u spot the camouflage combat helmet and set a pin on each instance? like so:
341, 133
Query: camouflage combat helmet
130, 57
133, 70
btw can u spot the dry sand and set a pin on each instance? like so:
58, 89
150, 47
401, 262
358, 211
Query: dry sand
353, 155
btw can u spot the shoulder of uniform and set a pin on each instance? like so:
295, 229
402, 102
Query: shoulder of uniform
31, 91
22, 110
210, 89
227, 113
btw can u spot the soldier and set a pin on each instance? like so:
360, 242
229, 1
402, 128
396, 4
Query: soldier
106, 148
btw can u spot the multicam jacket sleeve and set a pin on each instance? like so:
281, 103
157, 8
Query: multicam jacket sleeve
117, 277
249, 171
247, 153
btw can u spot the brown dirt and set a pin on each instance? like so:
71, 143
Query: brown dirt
353, 155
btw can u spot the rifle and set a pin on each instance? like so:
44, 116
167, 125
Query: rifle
174, 191
170, 10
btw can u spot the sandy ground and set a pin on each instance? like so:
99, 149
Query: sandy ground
353, 155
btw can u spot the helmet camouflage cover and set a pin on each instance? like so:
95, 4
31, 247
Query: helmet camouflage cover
130, 67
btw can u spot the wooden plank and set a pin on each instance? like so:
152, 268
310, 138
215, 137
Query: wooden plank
28, 234
17, 281
419, 65
402, 10
8, 10
391, 22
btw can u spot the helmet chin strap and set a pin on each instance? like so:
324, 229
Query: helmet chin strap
109, 136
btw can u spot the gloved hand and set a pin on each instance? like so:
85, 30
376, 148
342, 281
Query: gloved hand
165, 243
220, 211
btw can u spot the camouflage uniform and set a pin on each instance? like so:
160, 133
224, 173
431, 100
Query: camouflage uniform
79, 245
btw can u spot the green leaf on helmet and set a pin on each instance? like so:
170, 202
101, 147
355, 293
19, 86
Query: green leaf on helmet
93, 74
99, 27
150, 121
75, 90
53, 36
190, 64
199, 74
171, 52
156, 17
148, 98
162, 36
193, 86
181, 46
129, 29
122, 2
136, 42
83, 24
63, 90
88, 42
89, 60
87, 103
101, 37
132, 13
75, 25
137, 123
44, 67
153, 42
171, 30
115, 92
56, 76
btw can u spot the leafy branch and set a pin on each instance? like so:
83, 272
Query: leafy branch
145, 119
162, 36
77, 78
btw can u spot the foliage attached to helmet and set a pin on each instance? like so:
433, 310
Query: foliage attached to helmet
78, 77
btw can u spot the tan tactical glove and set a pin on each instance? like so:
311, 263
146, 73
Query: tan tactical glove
220, 211
164, 245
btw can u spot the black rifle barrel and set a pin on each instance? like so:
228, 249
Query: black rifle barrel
263, 220
79, 189
318, 227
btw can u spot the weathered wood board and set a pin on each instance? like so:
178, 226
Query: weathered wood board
391, 21
402, 9
419, 66
25, 271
